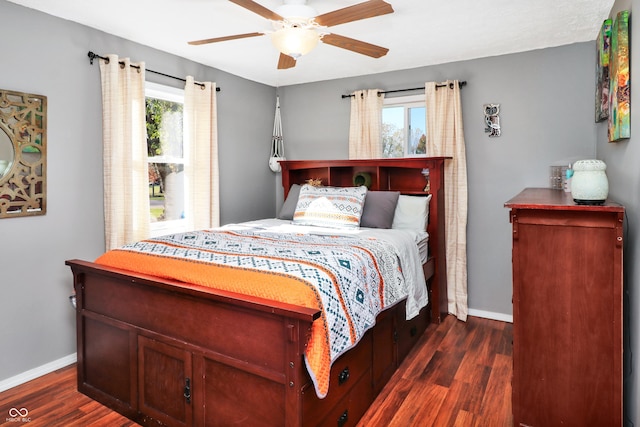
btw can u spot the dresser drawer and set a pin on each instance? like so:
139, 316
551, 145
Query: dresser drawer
345, 373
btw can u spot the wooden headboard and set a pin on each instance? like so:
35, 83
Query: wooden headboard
418, 176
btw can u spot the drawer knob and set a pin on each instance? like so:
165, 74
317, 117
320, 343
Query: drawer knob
343, 418
343, 376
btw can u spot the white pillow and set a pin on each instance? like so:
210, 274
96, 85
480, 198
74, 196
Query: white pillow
338, 207
412, 212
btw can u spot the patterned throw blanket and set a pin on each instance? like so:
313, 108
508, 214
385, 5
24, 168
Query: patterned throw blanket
350, 279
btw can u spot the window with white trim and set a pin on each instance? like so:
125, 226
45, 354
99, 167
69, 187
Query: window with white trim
165, 150
404, 126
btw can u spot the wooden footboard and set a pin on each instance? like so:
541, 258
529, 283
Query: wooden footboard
167, 353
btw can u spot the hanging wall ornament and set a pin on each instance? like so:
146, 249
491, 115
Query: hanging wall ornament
491, 119
277, 143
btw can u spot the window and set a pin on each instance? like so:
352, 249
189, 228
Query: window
404, 127
164, 112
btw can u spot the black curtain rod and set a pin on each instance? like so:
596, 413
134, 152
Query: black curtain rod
93, 56
460, 84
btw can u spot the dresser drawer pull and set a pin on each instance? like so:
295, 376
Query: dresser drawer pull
343, 418
343, 376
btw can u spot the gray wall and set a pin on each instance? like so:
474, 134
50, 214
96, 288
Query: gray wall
48, 56
624, 187
546, 113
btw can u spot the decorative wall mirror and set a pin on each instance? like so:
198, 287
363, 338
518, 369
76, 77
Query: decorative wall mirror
23, 154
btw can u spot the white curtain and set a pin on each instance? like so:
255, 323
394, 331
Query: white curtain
201, 155
365, 131
126, 178
445, 137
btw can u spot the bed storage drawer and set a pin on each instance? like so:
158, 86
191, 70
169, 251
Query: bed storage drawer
410, 331
385, 355
349, 411
345, 373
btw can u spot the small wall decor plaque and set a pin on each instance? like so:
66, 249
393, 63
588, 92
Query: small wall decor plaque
491, 119
23, 154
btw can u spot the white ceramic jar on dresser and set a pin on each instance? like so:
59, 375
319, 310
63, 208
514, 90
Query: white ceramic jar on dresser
589, 184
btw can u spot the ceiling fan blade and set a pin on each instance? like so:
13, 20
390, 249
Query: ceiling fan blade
224, 39
354, 45
259, 9
368, 9
286, 61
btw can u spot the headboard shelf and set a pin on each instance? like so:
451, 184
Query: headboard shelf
406, 175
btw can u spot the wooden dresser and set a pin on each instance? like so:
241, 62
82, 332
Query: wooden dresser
567, 310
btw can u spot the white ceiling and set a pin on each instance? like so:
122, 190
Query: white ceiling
418, 33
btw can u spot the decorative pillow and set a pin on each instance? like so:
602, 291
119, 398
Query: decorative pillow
338, 207
412, 212
379, 209
289, 205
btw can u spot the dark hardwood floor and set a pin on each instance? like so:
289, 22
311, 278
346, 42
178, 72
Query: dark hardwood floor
459, 374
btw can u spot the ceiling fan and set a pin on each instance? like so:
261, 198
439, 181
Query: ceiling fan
298, 28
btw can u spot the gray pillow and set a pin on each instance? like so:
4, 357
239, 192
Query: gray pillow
379, 209
289, 205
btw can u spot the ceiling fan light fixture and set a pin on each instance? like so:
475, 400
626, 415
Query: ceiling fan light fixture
295, 41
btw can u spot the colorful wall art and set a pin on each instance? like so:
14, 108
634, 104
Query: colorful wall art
619, 87
603, 53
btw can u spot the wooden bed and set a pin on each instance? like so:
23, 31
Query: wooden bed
163, 352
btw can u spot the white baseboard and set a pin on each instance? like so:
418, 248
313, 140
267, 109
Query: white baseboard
37, 372
491, 315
